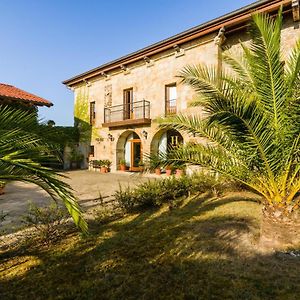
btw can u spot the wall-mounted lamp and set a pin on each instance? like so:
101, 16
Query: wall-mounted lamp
99, 140
144, 134
110, 137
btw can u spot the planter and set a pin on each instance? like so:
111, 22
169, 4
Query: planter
103, 169
179, 172
123, 168
158, 171
168, 172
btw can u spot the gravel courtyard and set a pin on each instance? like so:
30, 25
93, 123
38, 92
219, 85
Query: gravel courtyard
87, 185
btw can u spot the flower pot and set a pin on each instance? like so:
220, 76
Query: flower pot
103, 169
179, 172
123, 168
168, 172
157, 171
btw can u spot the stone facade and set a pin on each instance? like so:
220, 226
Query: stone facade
148, 78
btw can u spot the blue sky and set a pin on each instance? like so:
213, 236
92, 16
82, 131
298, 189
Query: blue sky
44, 42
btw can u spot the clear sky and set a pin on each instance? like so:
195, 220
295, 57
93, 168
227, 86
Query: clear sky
44, 42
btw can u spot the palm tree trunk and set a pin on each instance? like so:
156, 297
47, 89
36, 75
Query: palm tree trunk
279, 229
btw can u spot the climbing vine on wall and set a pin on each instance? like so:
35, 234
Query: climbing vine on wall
82, 117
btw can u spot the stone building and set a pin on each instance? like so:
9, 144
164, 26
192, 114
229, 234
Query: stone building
126, 95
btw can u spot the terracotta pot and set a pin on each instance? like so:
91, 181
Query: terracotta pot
103, 169
123, 168
157, 171
179, 172
168, 172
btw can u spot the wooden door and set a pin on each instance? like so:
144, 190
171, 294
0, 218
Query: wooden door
128, 103
136, 155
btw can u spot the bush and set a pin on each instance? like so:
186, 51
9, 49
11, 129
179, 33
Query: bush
156, 192
48, 221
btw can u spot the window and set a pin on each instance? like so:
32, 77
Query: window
92, 151
171, 97
128, 104
92, 113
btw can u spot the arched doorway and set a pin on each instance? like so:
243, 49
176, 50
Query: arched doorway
163, 140
129, 149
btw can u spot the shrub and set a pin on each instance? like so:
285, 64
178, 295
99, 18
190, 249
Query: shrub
105, 215
157, 192
48, 221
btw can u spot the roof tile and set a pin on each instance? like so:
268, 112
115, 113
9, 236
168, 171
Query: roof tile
12, 93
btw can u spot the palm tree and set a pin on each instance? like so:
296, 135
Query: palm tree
250, 122
24, 147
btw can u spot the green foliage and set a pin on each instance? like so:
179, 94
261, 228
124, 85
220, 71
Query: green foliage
76, 156
251, 116
157, 192
98, 163
82, 118
48, 221
106, 163
104, 215
25, 148
122, 162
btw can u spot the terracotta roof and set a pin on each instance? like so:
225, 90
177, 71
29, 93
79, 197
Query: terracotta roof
9, 92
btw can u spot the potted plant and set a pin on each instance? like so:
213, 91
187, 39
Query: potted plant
123, 165
168, 170
141, 166
179, 170
2, 186
155, 164
105, 164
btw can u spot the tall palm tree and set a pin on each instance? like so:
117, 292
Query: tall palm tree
251, 119
24, 147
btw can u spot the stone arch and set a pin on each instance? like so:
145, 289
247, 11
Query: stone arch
123, 146
164, 138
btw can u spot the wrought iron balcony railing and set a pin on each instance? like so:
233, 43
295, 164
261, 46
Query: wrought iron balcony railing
126, 114
171, 108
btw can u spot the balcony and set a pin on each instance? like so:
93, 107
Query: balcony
135, 113
171, 108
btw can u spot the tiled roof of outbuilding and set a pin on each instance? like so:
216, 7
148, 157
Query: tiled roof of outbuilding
9, 92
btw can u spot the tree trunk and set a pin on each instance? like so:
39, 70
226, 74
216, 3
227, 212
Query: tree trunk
279, 229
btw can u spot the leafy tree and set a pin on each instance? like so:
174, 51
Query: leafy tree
250, 121
24, 149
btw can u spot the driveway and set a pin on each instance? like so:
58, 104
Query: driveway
87, 185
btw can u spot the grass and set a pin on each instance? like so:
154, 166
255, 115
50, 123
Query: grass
205, 249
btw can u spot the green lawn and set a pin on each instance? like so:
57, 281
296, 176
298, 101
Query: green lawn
205, 249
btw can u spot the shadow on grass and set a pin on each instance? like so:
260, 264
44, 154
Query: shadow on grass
202, 250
